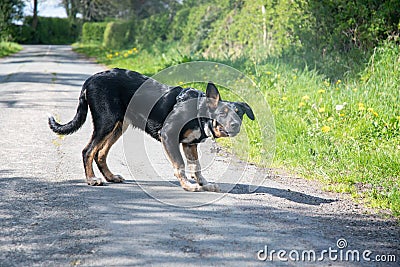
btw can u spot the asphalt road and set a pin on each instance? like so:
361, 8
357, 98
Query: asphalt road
50, 217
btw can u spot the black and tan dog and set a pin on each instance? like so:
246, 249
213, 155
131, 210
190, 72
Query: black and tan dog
172, 115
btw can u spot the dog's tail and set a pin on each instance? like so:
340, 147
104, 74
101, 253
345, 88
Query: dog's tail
77, 121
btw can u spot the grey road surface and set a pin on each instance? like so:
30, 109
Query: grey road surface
50, 217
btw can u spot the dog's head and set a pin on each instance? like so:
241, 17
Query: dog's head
225, 117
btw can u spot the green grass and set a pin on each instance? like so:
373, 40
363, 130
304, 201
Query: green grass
343, 133
7, 48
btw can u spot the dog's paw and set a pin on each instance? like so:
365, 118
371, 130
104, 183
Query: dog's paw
115, 179
211, 187
94, 181
201, 181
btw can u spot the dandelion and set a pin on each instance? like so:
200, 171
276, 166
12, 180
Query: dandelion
130, 52
305, 98
126, 55
116, 54
341, 114
375, 114
321, 110
295, 77
321, 91
284, 98
268, 73
325, 129
361, 107
302, 104
355, 89
398, 118
338, 81
180, 83
330, 119
326, 83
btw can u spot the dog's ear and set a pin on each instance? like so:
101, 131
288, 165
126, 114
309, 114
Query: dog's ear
212, 95
247, 109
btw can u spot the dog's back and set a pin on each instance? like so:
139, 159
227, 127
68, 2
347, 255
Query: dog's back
111, 92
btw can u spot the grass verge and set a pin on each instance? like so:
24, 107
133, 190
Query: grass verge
7, 48
343, 133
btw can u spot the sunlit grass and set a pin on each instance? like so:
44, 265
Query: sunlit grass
343, 133
7, 48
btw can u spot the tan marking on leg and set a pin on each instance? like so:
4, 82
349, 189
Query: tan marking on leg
101, 156
91, 179
193, 163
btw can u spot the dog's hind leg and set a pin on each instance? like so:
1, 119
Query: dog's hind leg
88, 154
101, 155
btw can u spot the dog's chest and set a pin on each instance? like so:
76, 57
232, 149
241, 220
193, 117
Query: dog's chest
192, 135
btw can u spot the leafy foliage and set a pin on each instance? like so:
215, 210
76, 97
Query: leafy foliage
93, 32
9, 10
49, 31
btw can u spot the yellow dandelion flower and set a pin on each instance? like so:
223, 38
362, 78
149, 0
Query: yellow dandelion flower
338, 81
325, 129
302, 104
321, 110
375, 114
355, 89
284, 98
116, 54
321, 91
326, 83
341, 114
305, 98
126, 55
268, 73
330, 119
295, 77
180, 83
130, 52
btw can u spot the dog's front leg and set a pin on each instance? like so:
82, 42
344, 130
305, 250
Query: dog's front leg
171, 147
192, 157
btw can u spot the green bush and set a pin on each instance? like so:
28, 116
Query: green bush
152, 29
118, 34
48, 31
93, 32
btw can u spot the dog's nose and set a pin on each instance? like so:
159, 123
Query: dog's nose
235, 125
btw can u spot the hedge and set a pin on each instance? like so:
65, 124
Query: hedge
93, 32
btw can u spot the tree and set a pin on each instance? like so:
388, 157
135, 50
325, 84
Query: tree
72, 8
10, 10
35, 15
